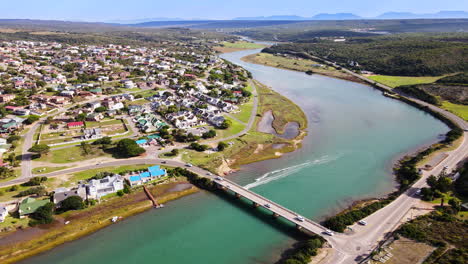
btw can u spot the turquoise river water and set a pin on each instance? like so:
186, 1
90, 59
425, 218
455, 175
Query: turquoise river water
354, 136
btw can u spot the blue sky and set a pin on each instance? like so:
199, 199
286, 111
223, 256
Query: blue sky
102, 10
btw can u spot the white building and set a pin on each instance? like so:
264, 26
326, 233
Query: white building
3, 213
110, 184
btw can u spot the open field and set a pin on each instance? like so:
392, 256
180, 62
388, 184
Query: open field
394, 81
458, 109
41, 170
92, 124
235, 128
295, 64
237, 46
406, 251
72, 154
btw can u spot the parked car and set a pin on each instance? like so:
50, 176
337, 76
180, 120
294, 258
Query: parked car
362, 222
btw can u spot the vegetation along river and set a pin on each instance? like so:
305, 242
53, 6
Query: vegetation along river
354, 135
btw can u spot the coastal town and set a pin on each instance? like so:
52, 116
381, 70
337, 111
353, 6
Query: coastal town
311, 140
148, 98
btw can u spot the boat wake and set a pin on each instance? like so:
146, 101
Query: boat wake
283, 173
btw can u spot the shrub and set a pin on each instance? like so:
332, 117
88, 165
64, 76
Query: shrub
43, 214
72, 203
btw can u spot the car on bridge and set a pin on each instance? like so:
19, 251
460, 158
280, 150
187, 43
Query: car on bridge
329, 232
300, 218
267, 205
219, 178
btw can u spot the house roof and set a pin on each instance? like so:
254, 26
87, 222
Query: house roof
145, 174
80, 123
30, 205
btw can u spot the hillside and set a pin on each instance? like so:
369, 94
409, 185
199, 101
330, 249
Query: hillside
401, 55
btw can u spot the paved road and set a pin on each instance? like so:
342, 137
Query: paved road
351, 248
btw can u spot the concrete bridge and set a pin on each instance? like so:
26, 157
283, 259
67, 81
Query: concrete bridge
304, 224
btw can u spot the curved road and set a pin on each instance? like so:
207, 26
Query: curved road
347, 248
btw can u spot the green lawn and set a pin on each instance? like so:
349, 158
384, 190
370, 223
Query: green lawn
458, 109
245, 111
394, 81
91, 124
84, 175
235, 128
71, 154
43, 170
242, 45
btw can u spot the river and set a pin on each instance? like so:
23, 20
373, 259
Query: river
354, 136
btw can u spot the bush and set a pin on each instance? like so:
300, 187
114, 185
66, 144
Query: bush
120, 193
6, 173
210, 134
129, 148
34, 181
43, 214
39, 191
226, 124
103, 141
198, 147
72, 203
222, 146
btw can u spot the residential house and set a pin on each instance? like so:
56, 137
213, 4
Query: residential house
3, 213
92, 133
153, 173
110, 184
30, 205
61, 194
5, 98
75, 124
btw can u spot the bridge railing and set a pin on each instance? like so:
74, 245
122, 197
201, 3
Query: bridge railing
276, 204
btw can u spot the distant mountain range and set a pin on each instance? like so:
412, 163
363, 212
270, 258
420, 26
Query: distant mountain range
350, 16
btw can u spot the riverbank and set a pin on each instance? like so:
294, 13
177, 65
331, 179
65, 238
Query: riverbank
298, 64
35, 240
255, 146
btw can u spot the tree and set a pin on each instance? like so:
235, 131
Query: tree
43, 214
100, 109
40, 149
72, 203
81, 117
6, 173
432, 181
455, 203
86, 148
34, 181
222, 145
13, 138
31, 119
209, 134
226, 124
129, 148
198, 147
103, 141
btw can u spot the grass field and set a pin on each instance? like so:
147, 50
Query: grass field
242, 45
92, 124
84, 175
458, 109
394, 81
71, 154
235, 128
42, 170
